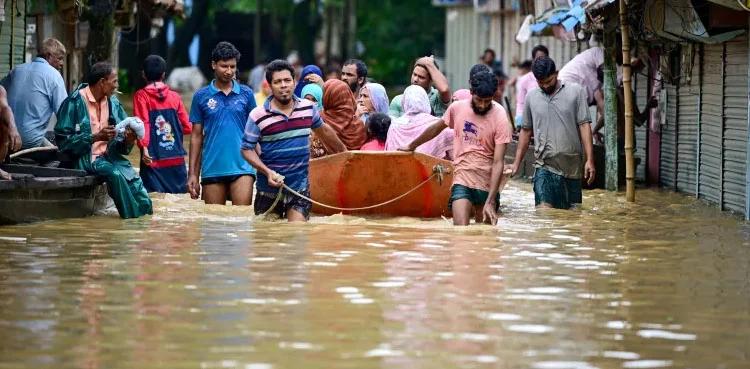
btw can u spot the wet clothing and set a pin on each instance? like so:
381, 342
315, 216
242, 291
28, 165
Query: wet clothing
222, 118
264, 201
284, 142
437, 106
475, 139
166, 123
556, 190
475, 196
74, 136
223, 180
35, 92
555, 120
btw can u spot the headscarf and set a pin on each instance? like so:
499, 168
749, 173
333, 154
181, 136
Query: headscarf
379, 99
339, 108
462, 94
307, 70
414, 122
314, 90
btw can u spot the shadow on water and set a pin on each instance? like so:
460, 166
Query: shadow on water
659, 283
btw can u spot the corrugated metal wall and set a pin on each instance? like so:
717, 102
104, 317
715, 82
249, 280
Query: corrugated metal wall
14, 25
640, 85
668, 163
735, 124
687, 125
711, 125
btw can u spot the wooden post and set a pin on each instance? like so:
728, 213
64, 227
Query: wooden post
628, 97
612, 160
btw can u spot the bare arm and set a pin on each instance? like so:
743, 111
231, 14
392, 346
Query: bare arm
498, 166
438, 78
524, 137
6, 117
329, 138
431, 132
599, 98
194, 168
588, 148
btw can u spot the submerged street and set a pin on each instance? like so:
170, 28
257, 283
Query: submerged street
659, 283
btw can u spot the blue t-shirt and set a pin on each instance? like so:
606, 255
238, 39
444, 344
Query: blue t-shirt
223, 118
284, 141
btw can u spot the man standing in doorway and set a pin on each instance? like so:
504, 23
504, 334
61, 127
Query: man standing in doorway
281, 127
218, 114
354, 74
35, 92
557, 113
427, 75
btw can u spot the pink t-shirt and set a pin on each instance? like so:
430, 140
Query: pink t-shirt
98, 119
525, 83
475, 139
373, 145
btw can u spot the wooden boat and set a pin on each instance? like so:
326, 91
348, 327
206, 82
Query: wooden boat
39, 193
363, 178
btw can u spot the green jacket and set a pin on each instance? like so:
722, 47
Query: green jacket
73, 134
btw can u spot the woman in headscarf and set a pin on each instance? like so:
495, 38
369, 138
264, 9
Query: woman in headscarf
338, 113
417, 119
314, 93
304, 81
372, 99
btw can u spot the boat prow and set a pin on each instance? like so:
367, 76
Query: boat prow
355, 179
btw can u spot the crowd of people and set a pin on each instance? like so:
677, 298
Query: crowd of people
245, 144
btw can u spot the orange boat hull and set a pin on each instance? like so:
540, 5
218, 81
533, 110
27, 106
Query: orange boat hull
356, 179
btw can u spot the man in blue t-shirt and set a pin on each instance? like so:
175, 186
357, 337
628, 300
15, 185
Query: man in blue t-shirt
218, 114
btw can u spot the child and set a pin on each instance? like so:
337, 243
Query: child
377, 131
165, 122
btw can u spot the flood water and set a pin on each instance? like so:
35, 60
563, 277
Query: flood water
662, 283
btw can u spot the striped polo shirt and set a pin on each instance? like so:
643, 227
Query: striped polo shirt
284, 141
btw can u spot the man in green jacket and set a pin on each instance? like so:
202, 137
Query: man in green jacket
85, 131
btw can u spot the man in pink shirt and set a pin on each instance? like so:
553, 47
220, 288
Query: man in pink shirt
481, 131
526, 83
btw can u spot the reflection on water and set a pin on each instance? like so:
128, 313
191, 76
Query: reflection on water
662, 283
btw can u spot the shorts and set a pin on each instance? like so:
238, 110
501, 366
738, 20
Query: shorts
556, 190
476, 197
264, 201
224, 179
519, 122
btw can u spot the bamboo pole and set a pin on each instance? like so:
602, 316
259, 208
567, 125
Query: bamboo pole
628, 95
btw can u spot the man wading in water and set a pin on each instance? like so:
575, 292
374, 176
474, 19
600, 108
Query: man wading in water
280, 130
558, 114
481, 130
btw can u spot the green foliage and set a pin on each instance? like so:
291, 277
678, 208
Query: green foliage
124, 81
395, 33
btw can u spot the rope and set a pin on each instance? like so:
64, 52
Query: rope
437, 171
33, 149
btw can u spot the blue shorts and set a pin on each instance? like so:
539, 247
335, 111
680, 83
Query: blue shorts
224, 179
264, 201
556, 190
476, 197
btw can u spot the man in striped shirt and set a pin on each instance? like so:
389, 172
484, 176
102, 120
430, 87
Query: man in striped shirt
282, 127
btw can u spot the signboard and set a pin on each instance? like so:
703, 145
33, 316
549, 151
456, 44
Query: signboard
452, 2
